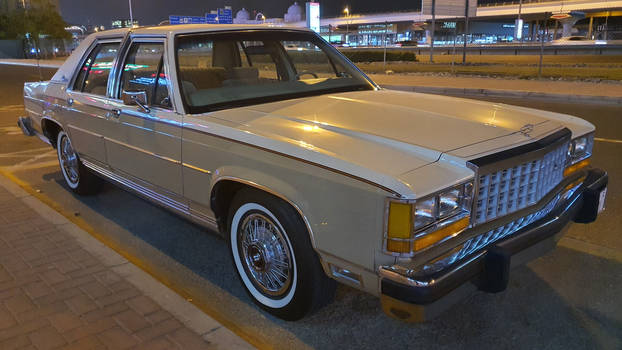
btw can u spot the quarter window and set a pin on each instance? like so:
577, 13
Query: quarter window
143, 71
93, 75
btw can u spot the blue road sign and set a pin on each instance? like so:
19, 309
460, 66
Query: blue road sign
186, 20
211, 18
225, 16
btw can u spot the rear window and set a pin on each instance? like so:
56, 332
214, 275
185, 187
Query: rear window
93, 75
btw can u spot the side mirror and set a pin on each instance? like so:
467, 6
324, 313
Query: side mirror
136, 98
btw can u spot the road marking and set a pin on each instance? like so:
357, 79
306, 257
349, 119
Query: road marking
20, 167
607, 140
24, 153
12, 108
11, 130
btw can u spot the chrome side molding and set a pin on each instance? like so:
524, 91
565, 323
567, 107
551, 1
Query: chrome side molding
153, 195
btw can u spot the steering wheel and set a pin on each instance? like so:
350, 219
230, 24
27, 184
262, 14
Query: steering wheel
306, 72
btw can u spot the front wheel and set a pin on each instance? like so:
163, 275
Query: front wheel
77, 177
274, 258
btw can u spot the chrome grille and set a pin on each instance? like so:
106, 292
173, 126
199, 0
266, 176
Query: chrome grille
508, 190
479, 242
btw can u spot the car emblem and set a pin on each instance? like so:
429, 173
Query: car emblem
526, 129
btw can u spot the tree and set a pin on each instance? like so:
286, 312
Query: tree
40, 20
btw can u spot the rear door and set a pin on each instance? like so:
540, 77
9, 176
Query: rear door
87, 106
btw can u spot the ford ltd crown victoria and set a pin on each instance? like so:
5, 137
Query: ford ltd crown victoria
311, 172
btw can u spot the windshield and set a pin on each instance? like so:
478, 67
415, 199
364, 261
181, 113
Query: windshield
222, 70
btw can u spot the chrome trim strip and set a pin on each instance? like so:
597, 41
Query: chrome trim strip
189, 166
391, 273
371, 183
138, 149
71, 126
152, 195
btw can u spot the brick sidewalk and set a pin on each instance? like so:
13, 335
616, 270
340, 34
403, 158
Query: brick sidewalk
56, 294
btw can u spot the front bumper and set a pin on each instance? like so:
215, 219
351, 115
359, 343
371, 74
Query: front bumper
420, 299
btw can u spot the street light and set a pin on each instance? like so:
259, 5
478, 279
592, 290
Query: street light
131, 14
346, 11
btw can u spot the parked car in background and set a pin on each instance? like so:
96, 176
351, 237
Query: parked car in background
310, 171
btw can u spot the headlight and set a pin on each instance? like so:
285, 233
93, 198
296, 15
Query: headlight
580, 149
413, 226
579, 152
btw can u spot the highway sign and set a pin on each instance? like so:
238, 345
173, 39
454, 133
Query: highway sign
225, 16
186, 19
211, 18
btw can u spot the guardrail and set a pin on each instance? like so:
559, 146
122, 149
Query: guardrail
525, 49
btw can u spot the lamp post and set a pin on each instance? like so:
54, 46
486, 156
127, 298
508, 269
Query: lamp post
131, 14
346, 11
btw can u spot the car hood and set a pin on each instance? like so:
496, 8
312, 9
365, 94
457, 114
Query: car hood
389, 132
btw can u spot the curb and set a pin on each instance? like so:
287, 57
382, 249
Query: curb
212, 331
44, 64
506, 93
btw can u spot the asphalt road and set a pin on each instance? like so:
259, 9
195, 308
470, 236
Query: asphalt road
568, 299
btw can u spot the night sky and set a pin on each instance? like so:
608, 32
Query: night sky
102, 12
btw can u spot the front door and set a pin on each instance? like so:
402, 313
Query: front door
146, 142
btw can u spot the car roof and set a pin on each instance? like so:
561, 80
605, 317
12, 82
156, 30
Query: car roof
193, 28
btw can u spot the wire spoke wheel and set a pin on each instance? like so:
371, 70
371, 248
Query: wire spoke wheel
265, 255
69, 161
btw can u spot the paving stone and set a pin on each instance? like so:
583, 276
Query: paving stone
131, 321
159, 316
23, 329
6, 319
37, 289
86, 343
65, 321
116, 297
56, 296
90, 328
52, 277
158, 329
17, 342
188, 340
81, 304
108, 277
106, 311
66, 265
157, 344
43, 311
95, 289
117, 338
46, 338
19, 303
143, 305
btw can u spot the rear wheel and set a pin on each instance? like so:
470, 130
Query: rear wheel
76, 175
274, 258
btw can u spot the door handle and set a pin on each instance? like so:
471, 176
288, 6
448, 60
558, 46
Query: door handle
70, 102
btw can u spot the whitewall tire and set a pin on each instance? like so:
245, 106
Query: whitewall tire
274, 258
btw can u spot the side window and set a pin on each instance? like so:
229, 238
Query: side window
93, 75
143, 71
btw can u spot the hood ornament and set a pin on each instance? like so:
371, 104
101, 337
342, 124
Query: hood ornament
527, 129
